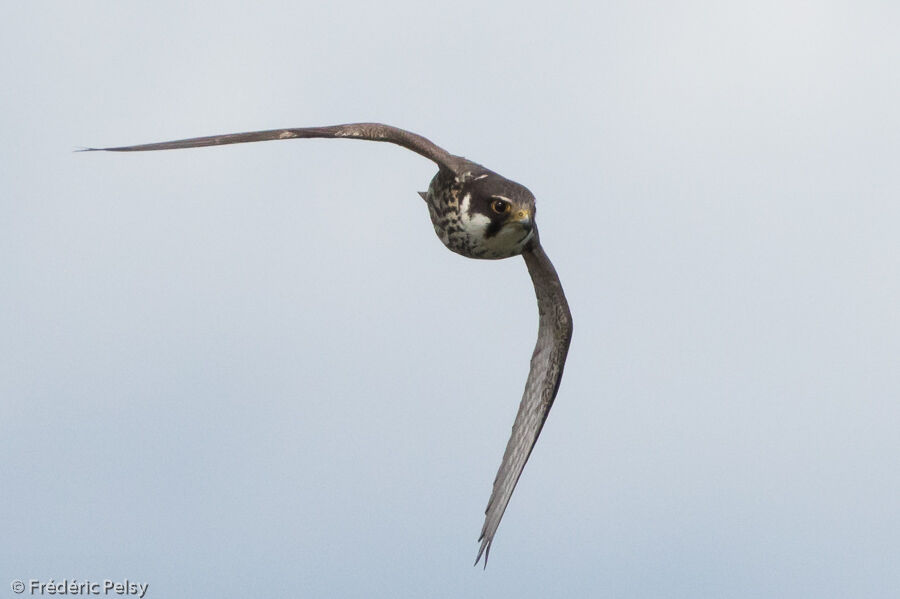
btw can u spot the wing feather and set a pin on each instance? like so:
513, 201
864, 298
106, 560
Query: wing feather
554, 324
365, 131
547, 361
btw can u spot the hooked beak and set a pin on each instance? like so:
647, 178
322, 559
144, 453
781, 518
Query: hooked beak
523, 219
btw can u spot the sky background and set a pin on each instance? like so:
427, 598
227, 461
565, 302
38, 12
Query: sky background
255, 370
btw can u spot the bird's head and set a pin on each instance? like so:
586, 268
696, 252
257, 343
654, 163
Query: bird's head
497, 215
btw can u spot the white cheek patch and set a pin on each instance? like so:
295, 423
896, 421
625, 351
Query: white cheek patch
477, 223
467, 199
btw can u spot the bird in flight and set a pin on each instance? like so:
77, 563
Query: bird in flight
478, 214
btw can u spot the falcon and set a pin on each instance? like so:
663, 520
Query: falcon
479, 214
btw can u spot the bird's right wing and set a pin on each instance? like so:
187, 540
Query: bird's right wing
365, 131
554, 335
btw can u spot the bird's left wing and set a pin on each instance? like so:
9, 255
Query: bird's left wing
365, 131
554, 335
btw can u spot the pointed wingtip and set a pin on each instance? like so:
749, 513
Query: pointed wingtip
484, 549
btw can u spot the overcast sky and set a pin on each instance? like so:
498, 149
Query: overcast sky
255, 371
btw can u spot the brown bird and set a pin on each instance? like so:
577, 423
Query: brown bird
479, 214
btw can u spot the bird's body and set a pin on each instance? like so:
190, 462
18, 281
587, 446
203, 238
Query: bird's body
478, 214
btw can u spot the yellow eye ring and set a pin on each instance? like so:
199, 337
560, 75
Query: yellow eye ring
501, 206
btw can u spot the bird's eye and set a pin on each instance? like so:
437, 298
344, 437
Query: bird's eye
500, 206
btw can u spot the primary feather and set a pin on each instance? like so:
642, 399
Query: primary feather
547, 361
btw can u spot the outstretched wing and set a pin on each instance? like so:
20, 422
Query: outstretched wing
554, 334
366, 131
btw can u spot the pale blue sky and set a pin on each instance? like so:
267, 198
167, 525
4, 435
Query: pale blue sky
255, 371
